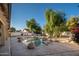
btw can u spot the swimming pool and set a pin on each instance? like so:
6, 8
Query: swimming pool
36, 41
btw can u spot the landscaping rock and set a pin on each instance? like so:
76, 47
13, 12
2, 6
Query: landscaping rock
31, 46
19, 39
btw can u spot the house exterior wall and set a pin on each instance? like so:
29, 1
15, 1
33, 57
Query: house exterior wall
4, 23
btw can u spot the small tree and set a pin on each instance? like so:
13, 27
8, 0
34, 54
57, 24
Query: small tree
72, 22
12, 29
33, 26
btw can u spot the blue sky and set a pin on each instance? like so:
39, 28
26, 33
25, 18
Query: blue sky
22, 12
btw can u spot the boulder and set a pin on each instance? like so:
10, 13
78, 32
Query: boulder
31, 46
19, 39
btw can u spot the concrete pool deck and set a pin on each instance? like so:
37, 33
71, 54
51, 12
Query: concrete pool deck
14, 48
53, 49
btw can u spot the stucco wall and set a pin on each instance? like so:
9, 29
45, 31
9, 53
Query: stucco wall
4, 20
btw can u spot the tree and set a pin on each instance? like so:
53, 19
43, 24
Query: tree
72, 25
54, 20
72, 22
12, 29
33, 26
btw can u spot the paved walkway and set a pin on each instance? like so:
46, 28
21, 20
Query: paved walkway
5, 50
57, 49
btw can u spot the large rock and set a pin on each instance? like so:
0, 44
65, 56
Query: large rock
31, 46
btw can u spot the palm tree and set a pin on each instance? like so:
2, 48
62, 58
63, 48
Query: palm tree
54, 20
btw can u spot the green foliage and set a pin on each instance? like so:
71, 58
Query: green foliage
54, 20
33, 26
72, 22
12, 29
63, 27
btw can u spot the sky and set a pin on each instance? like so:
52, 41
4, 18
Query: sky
25, 11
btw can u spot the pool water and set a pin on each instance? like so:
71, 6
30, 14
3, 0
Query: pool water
38, 42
